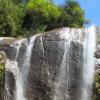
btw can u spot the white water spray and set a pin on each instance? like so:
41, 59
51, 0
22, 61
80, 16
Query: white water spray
88, 67
59, 94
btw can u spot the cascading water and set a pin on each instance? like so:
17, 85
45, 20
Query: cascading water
23, 73
19, 92
89, 62
12, 66
88, 66
62, 86
20, 72
62, 77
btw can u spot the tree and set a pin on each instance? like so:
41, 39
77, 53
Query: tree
74, 14
10, 18
39, 13
21, 17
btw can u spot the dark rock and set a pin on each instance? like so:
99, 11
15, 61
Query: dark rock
9, 85
97, 54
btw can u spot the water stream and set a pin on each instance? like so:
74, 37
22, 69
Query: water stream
89, 62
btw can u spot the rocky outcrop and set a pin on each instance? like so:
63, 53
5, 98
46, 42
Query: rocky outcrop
46, 59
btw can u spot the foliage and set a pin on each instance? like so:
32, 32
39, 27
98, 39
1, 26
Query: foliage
1, 66
40, 13
97, 86
33, 16
10, 17
74, 14
1, 72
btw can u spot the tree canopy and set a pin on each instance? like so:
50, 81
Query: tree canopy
10, 17
75, 14
33, 16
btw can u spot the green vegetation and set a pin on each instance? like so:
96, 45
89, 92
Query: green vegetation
1, 73
1, 66
74, 14
40, 13
1, 79
97, 86
10, 17
18, 18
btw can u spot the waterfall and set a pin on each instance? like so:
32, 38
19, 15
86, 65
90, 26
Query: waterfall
88, 67
12, 67
23, 73
62, 81
62, 86
20, 72
19, 92
59, 65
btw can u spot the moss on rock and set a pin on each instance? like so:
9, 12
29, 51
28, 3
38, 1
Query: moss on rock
2, 60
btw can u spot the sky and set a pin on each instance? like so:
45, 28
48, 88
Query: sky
91, 7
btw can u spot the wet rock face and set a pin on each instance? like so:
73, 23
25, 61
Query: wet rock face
46, 59
45, 66
10, 85
75, 71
